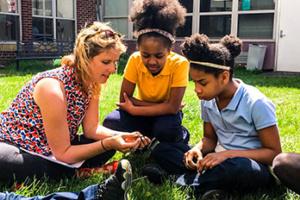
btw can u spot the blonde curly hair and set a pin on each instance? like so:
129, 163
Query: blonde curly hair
90, 42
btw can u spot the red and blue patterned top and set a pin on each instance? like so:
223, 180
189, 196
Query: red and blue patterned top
22, 123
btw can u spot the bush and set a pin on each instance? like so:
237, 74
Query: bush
122, 63
57, 63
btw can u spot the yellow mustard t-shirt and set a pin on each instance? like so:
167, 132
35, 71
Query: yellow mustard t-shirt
157, 88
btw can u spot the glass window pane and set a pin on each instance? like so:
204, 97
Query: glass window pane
115, 8
42, 7
65, 30
48, 7
119, 25
65, 8
9, 6
215, 5
37, 7
215, 26
42, 28
9, 27
188, 4
256, 4
256, 26
185, 30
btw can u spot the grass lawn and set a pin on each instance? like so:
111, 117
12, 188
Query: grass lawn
283, 91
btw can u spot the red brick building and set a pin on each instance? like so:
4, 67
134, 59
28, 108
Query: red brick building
41, 19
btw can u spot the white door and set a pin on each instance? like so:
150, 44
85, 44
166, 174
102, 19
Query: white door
288, 49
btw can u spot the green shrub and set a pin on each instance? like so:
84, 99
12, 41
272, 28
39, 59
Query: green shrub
57, 63
122, 63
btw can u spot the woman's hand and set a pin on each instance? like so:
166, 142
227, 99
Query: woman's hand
126, 142
144, 140
192, 158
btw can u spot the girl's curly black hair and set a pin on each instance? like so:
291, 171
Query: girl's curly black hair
166, 15
199, 48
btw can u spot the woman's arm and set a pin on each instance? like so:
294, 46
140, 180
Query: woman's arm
49, 95
91, 124
136, 107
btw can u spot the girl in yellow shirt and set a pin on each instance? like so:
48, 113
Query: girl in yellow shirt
160, 75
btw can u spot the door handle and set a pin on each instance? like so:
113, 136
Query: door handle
281, 34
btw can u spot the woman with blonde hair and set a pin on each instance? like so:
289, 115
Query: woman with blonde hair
38, 132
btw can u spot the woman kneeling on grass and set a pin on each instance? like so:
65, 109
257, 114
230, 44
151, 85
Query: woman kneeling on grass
40, 127
240, 138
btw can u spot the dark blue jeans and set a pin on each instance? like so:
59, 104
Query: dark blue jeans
164, 127
242, 174
89, 193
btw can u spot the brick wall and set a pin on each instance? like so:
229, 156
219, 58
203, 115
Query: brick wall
26, 12
86, 12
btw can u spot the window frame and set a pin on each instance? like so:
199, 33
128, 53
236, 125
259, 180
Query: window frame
129, 35
55, 18
20, 24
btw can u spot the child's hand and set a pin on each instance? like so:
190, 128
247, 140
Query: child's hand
211, 160
127, 105
182, 106
192, 158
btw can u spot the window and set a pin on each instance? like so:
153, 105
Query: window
215, 26
253, 26
42, 7
116, 12
9, 20
215, 5
256, 19
53, 19
248, 19
42, 28
186, 30
256, 4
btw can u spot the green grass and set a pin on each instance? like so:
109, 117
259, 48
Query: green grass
283, 91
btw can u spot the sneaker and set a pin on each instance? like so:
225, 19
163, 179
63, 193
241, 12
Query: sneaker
217, 195
117, 185
155, 173
107, 169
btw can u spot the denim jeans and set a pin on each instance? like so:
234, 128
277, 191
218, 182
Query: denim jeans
89, 193
239, 173
164, 127
234, 174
